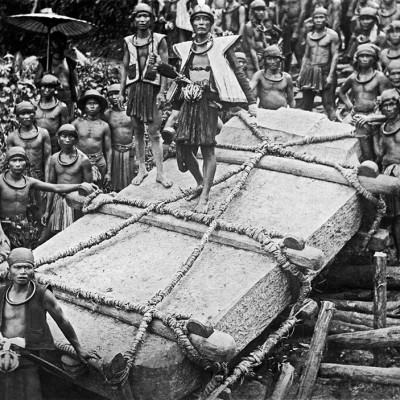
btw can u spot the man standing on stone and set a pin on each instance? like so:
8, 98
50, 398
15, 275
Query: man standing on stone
95, 135
64, 68
24, 304
365, 85
123, 141
318, 69
273, 86
216, 77
51, 113
147, 89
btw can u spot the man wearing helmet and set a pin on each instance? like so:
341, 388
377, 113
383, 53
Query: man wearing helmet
51, 113
366, 84
217, 79
387, 148
318, 69
147, 89
274, 87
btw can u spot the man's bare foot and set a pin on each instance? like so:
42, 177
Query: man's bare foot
167, 183
138, 179
195, 194
202, 206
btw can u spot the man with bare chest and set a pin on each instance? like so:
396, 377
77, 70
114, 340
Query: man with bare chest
272, 86
51, 113
366, 84
233, 17
387, 148
388, 12
24, 305
69, 165
392, 53
15, 188
64, 68
318, 69
95, 135
123, 142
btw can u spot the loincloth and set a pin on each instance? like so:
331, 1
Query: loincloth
392, 201
141, 99
123, 165
20, 231
61, 215
99, 166
313, 77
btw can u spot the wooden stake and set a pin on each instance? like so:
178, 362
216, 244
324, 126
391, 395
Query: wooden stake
383, 376
371, 339
315, 353
284, 382
380, 297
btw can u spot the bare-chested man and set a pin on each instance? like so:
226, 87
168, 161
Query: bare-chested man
24, 304
367, 31
64, 68
233, 17
272, 86
51, 113
147, 89
293, 15
391, 53
334, 12
95, 135
389, 11
123, 141
254, 41
318, 69
387, 148
14, 197
366, 84
69, 165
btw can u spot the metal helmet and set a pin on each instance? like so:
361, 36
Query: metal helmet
203, 9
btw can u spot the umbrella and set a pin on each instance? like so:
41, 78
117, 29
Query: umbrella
47, 22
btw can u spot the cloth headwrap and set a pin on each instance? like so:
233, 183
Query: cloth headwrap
393, 26
368, 12
20, 255
68, 128
50, 80
16, 151
143, 7
367, 48
393, 66
114, 88
320, 11
389, 94
258, 4
24, 106
273, 51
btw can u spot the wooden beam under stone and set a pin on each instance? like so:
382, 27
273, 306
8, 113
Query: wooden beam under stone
309, 257
382, 184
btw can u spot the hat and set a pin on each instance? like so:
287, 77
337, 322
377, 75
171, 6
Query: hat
16, 151
114, 88
369, 12
389, 94
273, 51
367, 48
21, 255
24, 106
203, 9
393, 66
258, 4
392, 26
143, 7
68, 128
92, 94
320, 11
240, 56
50, 80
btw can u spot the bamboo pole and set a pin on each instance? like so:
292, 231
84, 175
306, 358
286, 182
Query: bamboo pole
315, 354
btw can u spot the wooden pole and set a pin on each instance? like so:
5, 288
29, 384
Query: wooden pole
380, 297
315, 353
383, 376
284, 382
354, 317
392, 307
371, 339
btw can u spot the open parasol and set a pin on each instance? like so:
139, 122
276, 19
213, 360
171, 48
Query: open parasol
47, 22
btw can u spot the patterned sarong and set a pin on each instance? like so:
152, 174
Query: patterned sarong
123, 166
62, 215
313, 77
392, 201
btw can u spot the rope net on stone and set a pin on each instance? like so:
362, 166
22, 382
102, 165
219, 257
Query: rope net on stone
214, 222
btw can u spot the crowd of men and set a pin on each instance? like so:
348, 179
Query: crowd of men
201, 60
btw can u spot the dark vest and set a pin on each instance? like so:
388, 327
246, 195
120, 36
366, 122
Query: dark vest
37, 333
